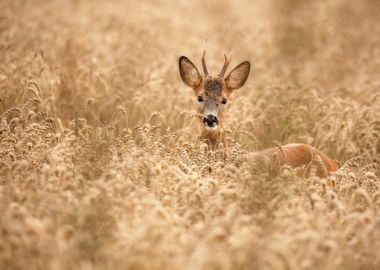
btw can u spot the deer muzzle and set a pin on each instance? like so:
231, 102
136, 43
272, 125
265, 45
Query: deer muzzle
210, 121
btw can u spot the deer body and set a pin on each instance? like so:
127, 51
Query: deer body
212, 96
298, 155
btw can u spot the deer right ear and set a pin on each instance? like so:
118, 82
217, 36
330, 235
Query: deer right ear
238, 76
189, 72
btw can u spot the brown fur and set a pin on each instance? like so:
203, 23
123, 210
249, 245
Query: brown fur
297, 155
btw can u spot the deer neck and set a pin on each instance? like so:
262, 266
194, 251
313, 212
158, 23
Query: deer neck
213, 138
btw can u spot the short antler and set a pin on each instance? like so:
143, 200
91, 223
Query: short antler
204, 64
226, 63
204, 59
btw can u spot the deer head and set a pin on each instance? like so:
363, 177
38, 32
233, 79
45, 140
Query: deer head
212, 92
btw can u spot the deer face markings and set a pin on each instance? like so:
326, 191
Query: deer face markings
212, 92
211, 107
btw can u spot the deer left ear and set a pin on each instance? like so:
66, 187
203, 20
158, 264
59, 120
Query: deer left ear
189, 72
238, 76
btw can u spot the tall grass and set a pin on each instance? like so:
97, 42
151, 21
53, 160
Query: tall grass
100, 165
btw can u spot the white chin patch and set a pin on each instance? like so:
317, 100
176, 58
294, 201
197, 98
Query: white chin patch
211, 128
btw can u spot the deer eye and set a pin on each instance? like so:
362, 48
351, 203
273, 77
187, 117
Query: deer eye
224, 101
200, 99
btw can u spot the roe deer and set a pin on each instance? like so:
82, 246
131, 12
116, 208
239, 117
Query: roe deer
212, 95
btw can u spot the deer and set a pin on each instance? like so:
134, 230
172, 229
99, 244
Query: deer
212, 95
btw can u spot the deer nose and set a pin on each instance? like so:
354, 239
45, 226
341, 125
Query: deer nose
210, 120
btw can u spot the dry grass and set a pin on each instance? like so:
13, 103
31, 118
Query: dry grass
100, 167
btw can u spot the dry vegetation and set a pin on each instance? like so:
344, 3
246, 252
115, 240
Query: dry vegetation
100, 167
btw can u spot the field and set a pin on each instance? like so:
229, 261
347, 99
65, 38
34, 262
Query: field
100, 162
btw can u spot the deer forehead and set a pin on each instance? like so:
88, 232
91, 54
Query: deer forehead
213, 87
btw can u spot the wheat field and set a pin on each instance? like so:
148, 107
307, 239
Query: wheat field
100, 162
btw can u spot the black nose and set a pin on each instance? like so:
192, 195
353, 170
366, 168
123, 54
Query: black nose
210, 120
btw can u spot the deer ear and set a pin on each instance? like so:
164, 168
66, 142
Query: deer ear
189, 72
238, 76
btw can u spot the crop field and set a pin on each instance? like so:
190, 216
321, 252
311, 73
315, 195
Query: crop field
101, 166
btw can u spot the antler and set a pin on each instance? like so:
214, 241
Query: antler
203, 59
204, 64
226, 63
